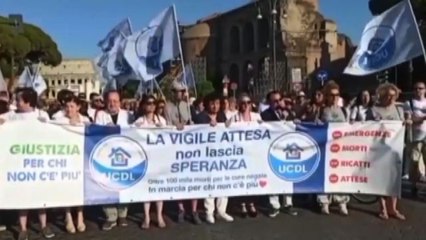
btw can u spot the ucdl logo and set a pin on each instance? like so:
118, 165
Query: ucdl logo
294, 157
117, 163
378, 45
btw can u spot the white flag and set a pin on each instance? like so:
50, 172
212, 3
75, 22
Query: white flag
25, 79
147, 50
35, 82
388, 40
39, 85
3, 85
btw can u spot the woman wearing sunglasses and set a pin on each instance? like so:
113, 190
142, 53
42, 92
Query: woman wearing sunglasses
149, 118
386, 109
245, 114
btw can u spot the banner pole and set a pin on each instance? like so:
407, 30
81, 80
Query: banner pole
181, 59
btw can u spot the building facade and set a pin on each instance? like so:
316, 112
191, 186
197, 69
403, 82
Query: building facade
239, 44
77, 75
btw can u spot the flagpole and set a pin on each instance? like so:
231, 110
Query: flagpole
159, 88
181, 58
417, 28
193, 78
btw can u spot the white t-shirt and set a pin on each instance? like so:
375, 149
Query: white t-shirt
59, 114
33, 115
263, 107
65, 120
359, 113
418, 110
6, 115
230, 114
254, 117
144, 122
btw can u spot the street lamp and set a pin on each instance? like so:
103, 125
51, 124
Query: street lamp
273, 4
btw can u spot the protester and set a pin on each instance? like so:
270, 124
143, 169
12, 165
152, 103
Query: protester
276, 113
148, 118
313, 108
72, 116
362, 105
213, 115
159, 109
114, 115
385, 109
229, 106
96, 104
333, 112
26, 102
245, 114
62, 96
178, 114
416, 107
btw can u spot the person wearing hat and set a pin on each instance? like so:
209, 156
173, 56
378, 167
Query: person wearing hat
177, 109
177, 112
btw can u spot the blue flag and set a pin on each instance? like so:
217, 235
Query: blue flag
111, 61
147, 50
388, 40
124, 28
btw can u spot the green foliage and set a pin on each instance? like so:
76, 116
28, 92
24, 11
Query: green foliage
204, 87
31, 44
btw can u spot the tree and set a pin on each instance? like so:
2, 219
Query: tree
32, 44
204, 87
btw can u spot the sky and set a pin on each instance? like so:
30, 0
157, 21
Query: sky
78, 25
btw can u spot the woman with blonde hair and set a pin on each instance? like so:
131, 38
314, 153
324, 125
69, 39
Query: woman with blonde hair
386, 109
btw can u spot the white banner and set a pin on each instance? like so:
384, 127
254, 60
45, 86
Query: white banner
46, 165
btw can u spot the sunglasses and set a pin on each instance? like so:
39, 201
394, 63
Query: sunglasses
245, 102
334, 94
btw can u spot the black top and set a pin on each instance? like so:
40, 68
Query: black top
114, 118
204, 118
270, 115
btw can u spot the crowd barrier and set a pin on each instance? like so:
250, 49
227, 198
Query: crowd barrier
48, 165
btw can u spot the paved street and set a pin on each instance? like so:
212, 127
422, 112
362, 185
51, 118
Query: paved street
361, 224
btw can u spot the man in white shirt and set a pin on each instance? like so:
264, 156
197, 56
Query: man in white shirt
26, 102
416, 108
114, 115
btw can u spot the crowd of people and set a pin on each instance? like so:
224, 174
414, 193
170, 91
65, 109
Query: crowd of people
326, 105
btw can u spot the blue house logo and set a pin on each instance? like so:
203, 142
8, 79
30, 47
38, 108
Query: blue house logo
293, 151
118, 162
294, 156
119, 157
